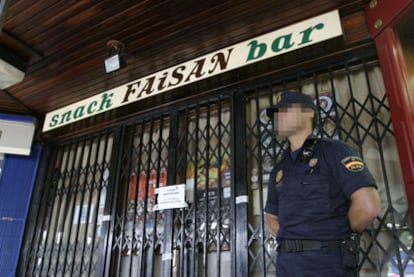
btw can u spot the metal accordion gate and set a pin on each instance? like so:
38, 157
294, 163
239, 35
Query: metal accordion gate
96, 215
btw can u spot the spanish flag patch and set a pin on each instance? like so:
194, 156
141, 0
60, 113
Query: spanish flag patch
353, 163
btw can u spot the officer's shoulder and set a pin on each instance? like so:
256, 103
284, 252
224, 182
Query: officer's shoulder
333, 144
329, 141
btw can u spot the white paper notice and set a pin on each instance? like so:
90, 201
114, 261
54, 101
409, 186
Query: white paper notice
170, 197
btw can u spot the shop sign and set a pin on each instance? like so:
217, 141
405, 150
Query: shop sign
292, 37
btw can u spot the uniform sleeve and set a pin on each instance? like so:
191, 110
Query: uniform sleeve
350, 170
272, 206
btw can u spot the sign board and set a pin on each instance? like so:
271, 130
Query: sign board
281, 41
170, 197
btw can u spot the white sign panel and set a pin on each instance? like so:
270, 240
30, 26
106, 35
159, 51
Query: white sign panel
287, 39
170, 197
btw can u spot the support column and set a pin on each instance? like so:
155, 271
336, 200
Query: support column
383, 16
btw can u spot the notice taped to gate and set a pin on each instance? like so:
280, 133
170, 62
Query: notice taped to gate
170, 197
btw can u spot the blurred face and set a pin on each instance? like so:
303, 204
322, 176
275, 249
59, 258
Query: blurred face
293, 119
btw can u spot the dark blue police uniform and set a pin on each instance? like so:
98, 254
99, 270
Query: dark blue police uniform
310, 194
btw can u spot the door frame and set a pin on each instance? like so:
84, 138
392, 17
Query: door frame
383, 18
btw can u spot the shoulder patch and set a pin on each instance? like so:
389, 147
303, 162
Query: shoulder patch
279, 177
353, 163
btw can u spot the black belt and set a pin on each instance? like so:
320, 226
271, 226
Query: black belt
297, 245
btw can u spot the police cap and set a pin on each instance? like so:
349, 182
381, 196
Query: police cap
287, 98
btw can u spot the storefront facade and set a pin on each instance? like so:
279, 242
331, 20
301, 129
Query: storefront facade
92, 209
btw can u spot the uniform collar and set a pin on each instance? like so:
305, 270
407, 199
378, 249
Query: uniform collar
309, 139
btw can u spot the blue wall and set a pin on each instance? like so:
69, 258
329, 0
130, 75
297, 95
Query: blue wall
16, 185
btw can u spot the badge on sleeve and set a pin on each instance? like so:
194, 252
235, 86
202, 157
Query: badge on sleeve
279, 176
353, 163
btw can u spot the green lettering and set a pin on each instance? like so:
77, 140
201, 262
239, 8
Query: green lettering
106, 101
307, 33
79, 111
253, 47
91, 108
65, 117
54, 120
219, 58
285, 43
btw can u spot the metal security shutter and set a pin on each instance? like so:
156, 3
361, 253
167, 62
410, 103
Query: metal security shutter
203, 232
191, 146
139, 231
70, 235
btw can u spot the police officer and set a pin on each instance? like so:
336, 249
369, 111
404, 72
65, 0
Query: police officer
320, 194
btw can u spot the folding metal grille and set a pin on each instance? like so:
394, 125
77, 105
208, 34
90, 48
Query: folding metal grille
138, 229
70, 239
202, 237
97, 216
201, 232
352, 107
